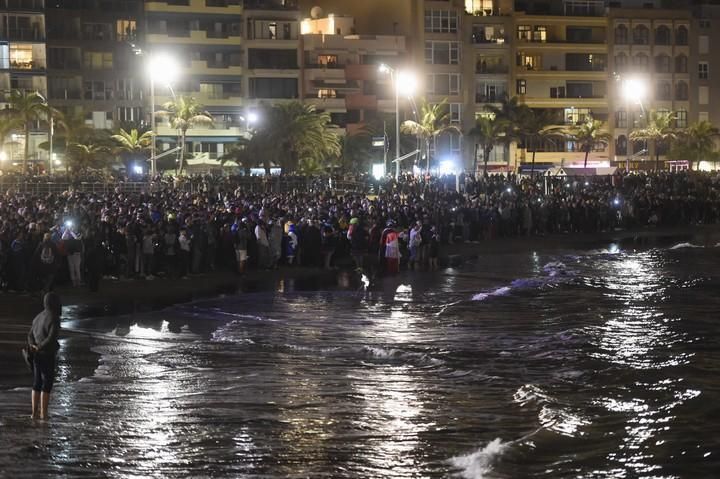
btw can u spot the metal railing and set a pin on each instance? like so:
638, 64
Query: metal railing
253, 184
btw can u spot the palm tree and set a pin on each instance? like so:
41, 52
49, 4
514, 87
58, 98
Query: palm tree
356, 148
589, 135
8, 124
28, 108
511, 113
696, 143
299, 132
433, 121
132, 142
659, 131
82, 156
185, 112
536, 127
488, 130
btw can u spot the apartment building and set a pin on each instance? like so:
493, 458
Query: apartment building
652, 46
340, 69
488, 43
23, 64
272, 47
92, 68
207, 39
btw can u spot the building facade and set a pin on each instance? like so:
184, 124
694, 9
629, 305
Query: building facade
23, 66
93, 71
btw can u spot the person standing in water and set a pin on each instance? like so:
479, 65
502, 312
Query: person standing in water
43, 342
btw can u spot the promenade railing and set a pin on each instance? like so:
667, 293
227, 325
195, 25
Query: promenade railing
272, 185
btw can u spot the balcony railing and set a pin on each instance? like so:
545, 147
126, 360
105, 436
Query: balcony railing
271, 4
482, 40
25, 34
493, 98
65, 94
23, 4
491, 69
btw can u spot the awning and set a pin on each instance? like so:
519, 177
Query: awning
526, 168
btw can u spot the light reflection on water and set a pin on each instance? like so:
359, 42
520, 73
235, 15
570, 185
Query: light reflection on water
596, 365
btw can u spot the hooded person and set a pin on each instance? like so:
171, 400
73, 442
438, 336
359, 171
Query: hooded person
43, 342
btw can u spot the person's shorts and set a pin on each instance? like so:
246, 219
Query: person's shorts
241, 255
43, 372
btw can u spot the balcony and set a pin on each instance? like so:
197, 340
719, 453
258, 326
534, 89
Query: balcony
23, 5
65, 94
201, 67
193, 6
25, 34
287, 5
26, 65
568, 8
192, 37
481, 40
489, 98
484, 69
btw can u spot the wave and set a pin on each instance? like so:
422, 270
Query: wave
530, 393
554, 272
686, 245
479, 463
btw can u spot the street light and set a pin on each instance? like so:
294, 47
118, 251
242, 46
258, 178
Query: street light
51, 131
161, 67
408, 83
633, 90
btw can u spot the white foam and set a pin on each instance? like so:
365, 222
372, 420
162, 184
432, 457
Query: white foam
494, 293
685, 245
478, 464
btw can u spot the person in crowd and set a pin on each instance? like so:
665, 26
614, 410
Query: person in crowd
328, 245
47, 260
209, 208
390, 249
184, 248
292, 244
263, 245
43, 343
241, 240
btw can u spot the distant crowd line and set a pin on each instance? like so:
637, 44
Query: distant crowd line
79, 237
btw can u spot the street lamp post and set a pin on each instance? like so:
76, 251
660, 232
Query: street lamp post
159, 66
633, 90
408, 81
51, 131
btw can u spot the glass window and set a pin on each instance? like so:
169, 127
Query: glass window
521, 87
442, 53
21, 56
681, 35
681, 119
681, 91
662, 64
621, 119
662, 35
641, 35
524, 32
441, 21
703, 70
681, 64
621, 34
641, 62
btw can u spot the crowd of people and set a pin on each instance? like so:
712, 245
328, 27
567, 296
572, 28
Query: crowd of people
78, 237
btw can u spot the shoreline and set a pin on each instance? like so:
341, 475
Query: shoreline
141, 295
123, 297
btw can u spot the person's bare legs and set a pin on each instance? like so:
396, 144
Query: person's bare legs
44, 400
35, 404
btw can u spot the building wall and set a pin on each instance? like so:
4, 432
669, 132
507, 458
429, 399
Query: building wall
92, 67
